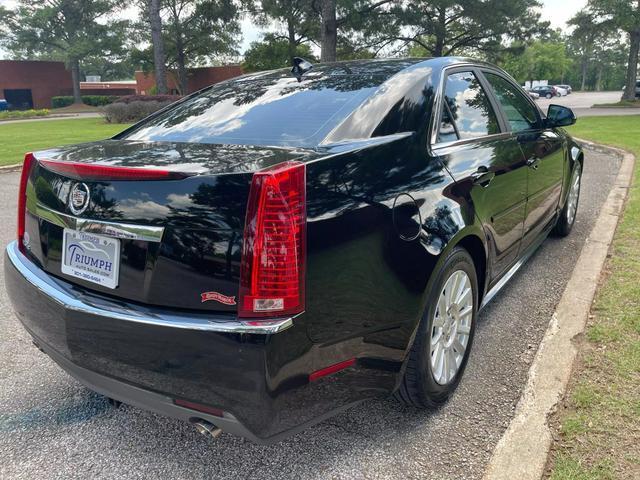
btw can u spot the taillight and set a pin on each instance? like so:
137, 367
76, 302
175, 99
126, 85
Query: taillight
272, 271
29, 161
97, 172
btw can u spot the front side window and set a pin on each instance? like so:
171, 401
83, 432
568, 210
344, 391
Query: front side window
521, 115
466, 112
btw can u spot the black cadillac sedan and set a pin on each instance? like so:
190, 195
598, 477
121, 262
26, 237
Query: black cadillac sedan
278, 247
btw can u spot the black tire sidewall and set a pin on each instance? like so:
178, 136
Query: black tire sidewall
458, 259
563, 227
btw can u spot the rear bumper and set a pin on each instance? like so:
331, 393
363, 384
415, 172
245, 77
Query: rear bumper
148, 357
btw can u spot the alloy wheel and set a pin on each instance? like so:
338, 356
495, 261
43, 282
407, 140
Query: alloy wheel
451, 327
574, 194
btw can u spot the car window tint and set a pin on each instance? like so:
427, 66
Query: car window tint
447, 130
274, 110
521, 115
469, 108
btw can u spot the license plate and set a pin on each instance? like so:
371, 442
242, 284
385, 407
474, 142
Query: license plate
90, 257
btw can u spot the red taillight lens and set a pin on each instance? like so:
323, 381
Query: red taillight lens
272, 271
93, 172
29, 161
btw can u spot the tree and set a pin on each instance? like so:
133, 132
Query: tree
542, 60
625, 15
199, 30
583, 38
272, 53
155, 22
447, 27
295, 20
347, 15
68, 29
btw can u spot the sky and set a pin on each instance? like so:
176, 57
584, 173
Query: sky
555, 11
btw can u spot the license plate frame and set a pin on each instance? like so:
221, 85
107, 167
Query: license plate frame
91, 257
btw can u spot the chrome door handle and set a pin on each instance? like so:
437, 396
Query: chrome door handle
533, 162
482, 177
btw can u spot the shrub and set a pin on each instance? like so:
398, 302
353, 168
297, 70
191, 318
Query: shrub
148, 98
92, 100
19, 114
120, 112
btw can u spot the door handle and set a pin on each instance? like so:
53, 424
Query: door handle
482, 177
533, 162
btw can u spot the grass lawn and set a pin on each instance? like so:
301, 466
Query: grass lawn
597, 428
18, 138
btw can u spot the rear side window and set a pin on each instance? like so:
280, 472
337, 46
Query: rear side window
466, 111
521, 115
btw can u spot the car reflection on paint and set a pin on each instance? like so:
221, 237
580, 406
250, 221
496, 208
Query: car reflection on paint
290, 245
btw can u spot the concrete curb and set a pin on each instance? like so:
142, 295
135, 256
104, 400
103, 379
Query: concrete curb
10, 168
522, 451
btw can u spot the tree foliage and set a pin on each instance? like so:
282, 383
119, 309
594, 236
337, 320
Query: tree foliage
293, 21
448, 27
72, 30
273, 52
623, 15
542, 60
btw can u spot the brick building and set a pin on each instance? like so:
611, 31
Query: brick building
31, 84
197, 78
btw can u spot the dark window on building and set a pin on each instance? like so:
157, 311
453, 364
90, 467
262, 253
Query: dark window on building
18, 99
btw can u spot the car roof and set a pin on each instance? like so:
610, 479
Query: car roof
381, 68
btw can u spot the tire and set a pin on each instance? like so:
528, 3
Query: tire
548, 96
568, 213
424, 385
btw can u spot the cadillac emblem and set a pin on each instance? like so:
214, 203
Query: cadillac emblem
79, 198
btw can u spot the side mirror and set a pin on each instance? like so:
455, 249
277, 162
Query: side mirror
559, 116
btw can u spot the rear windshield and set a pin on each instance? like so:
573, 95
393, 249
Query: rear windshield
274, 110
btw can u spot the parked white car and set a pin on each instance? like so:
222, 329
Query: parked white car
560, 91
567, 88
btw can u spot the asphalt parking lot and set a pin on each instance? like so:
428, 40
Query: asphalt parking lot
582, 104
53, 427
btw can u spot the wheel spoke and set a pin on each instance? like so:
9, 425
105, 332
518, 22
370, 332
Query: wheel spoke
464, 329
448, 342
457, 345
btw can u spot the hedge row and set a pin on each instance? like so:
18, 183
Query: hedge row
148, 98
120, 112
93, 100
19, 114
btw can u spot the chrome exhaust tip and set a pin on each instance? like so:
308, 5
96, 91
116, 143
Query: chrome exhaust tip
206, 428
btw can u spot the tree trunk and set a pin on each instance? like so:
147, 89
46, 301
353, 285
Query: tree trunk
182, 68
158, 46
291, 31
75, 78
329, 40
599, 78
632, 66
583, 71
441, 33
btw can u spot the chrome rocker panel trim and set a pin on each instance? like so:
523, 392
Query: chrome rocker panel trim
112, 229
74, 299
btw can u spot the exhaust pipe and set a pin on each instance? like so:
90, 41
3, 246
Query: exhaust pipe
207, 428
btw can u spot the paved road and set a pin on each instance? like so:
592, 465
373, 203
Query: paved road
581, 103
52, 427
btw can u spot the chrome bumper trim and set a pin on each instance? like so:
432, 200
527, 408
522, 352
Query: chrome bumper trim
74, 299
111, 229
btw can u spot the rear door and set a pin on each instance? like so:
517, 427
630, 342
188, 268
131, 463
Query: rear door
485, 161
543, 152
